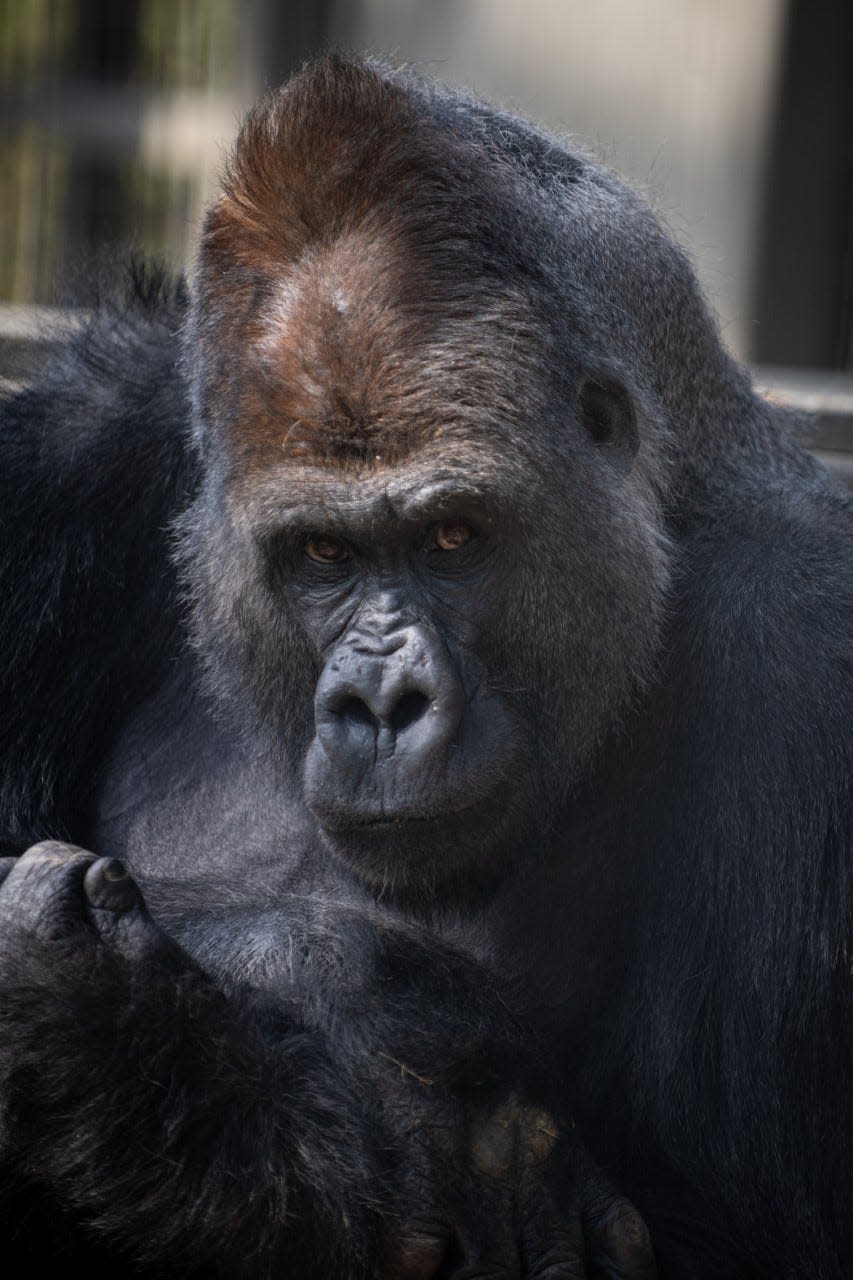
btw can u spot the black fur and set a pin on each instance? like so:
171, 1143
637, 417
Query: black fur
88, 448
654, 938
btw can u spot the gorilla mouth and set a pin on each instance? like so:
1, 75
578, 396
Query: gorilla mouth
343, 821
412, 850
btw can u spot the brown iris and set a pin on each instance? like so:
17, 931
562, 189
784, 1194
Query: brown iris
452, 536
326, 549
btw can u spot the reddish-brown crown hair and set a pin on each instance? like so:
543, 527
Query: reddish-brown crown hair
309, 159
352, 260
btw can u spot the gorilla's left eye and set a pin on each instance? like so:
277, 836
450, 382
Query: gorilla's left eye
452, 536
326, 549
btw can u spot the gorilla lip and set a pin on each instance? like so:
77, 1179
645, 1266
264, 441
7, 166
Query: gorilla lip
390, 822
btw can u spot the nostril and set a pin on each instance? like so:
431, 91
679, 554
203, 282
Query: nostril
408, 709
357, 712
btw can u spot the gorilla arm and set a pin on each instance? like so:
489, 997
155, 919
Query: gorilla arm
95, 465
196, 1128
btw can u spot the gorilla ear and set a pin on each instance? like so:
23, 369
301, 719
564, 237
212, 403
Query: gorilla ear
608, 414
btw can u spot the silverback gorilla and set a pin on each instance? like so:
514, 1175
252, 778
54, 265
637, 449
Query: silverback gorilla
446, 656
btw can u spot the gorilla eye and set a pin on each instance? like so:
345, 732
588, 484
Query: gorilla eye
450, 537
326, 549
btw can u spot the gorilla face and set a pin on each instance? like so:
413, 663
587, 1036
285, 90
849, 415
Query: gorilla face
434, 646
426, 562
418, 737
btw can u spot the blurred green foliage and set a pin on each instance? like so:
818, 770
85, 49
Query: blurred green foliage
102, 108
187, 45
35, 38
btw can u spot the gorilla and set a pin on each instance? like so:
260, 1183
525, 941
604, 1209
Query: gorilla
426, 735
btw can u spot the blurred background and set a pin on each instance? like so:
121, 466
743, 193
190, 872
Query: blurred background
735, 116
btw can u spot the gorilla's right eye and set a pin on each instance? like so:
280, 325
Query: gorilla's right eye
326, 549
453, 535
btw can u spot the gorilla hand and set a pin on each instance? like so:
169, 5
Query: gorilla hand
510, 1197
186, 1128
484, 1180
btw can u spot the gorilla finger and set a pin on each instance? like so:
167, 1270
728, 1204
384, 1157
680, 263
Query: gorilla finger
619, 1246
417, 1254
559, 1261
552, 1244
109, 887
121, 918
42, 891
52, 853
6, 865
118, 911
492, 1251
617, 1238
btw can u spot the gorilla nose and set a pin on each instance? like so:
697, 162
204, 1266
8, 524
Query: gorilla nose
369, 712
397, 697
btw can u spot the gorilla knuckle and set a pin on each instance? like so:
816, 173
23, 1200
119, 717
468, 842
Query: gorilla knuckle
56, 852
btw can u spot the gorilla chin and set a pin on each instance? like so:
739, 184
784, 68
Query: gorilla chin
414, 856
413, 848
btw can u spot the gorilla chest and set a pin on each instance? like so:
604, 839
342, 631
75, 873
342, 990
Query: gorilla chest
182, 801
184, 804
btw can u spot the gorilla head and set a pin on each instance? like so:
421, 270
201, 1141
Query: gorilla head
427, 562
